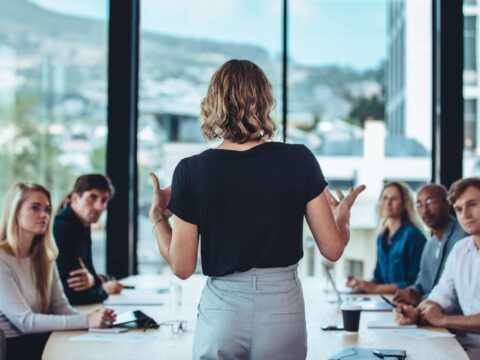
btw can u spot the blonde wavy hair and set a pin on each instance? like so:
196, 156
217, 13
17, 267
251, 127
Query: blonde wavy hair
238, 104
43, 251
409, 214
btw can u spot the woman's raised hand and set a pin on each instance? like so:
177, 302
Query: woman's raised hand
341, 206
160, 200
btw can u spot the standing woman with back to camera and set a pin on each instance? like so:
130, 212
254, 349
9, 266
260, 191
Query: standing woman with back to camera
245, 200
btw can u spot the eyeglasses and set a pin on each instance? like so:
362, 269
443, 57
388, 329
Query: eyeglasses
427, 203
176, 326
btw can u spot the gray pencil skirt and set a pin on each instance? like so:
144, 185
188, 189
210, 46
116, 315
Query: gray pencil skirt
257, 314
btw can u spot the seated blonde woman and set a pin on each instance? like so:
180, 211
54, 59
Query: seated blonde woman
399, 244
32, 302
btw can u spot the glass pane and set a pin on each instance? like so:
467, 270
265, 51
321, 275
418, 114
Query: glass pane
471, 160
360, 99
53, 96
177, 60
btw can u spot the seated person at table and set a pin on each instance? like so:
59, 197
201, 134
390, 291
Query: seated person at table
433, 207
32, 302
82, 207
399, 244
458, 287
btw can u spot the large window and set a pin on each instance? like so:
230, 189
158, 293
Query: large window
53, 81
360, 98
181, 45
359, 93
471, 89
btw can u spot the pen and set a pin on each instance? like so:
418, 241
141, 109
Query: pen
397, 308
128, 287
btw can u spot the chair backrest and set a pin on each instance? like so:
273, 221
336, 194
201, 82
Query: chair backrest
3, 346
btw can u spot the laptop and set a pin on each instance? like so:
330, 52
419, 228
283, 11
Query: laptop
366, 303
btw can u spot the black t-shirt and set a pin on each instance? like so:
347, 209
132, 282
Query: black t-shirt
248, 205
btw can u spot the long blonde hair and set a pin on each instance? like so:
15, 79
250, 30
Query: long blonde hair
43, 250
408, 214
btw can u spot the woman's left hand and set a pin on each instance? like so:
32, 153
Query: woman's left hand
341, 207
160, 200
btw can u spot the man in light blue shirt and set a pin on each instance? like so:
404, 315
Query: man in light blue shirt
433, 208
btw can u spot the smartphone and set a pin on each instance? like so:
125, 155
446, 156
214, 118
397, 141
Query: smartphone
386, 353
388, 301
397, 308
331, 327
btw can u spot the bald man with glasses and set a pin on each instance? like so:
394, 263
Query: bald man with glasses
434, 209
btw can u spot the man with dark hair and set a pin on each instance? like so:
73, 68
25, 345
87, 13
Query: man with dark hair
459, 286
433, 207
82, 208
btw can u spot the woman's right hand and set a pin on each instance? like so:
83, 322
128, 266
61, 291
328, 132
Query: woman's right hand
101, 318
341, 207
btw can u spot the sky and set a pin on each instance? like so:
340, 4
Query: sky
343, 32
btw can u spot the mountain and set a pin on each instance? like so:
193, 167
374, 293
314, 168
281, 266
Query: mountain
171, 67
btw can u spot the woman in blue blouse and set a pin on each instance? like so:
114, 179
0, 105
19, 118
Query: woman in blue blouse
399, 244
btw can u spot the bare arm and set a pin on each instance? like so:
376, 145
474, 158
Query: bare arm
178, 246
434, 314
370, 287
329, 221
469, 323
385, 289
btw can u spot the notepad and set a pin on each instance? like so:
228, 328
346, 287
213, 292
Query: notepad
419, 333
115, 338
113, 330
388, 325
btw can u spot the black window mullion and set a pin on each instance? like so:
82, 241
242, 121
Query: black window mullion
447, 95
284, 69
122, 136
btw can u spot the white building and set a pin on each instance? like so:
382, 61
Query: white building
409, 69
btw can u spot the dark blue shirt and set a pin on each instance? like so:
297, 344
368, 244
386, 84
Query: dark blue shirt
399, 262
74, 240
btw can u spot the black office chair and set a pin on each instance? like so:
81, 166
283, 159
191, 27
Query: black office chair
3, 346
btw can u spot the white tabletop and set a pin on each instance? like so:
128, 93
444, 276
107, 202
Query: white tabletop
161, 344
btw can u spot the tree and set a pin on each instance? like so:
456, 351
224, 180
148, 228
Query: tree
98, 159
32, 154
365, 107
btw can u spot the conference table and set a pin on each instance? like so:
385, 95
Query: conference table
163, 344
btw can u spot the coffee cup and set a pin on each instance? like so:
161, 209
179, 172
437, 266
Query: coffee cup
351, 317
